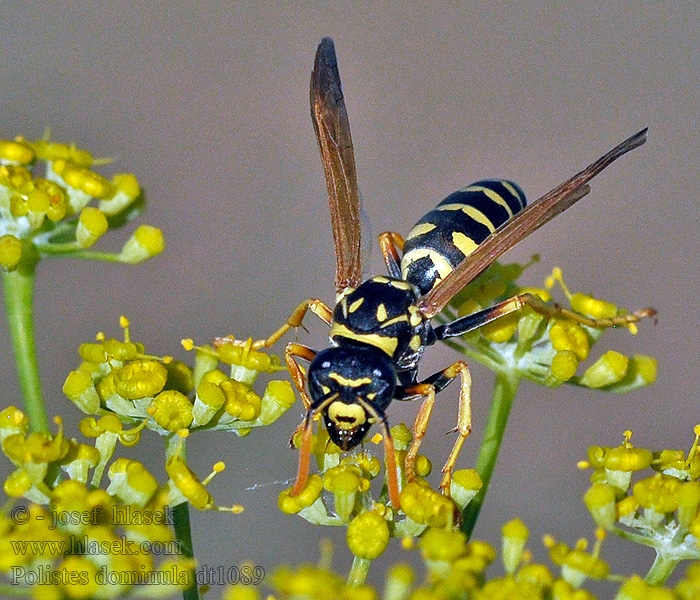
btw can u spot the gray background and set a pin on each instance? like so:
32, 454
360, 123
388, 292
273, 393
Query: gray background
208, 105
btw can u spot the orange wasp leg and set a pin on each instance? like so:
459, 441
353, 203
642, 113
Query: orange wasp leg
391, 244
428, 389
389, 452
316, 306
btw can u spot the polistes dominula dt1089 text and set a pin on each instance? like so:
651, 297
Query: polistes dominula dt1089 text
380, 327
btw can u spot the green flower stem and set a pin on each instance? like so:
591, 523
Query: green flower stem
181, 520
359, 570
72, 250
504, 391
18, 287
661, 570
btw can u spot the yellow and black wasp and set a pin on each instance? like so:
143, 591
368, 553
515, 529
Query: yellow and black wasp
380, 326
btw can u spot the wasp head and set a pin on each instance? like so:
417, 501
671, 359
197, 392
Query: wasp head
351, 386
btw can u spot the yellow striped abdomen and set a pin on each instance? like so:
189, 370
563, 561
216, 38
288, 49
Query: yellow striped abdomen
449, 233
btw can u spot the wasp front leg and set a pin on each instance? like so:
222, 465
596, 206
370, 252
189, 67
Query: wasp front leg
548, 309
316, 306
427, 389
391, 244
291, 353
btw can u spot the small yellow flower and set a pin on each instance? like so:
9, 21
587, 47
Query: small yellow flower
147, 241
92, 225
608, 369
443, 545
172, 410
81, 178
368, 535
80, 389
126, 190
16, 151
564, 365
515, 535
131, 482
427, 507
659, 493
140, 379
241, 401
10, 251
78, 577
600, 500
190, 486
568, 335
465, 484
293, 504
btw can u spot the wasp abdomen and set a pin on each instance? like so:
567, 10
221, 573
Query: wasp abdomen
450, 232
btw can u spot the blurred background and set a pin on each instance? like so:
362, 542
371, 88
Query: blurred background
207, 104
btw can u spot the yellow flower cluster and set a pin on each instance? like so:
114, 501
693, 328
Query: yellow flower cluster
660, 509
545, 349
46, 191
117, 377
343, 496
75, 540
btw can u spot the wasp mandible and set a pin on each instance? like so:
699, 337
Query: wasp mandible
380, 326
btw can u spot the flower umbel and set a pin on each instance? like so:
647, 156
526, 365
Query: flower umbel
53, 202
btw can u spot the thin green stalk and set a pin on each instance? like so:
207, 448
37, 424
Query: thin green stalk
18, 287
359, 570
504, 391
661, 570
181, 521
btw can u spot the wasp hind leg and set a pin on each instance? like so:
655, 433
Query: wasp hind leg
391, 244
427, 389
548, 309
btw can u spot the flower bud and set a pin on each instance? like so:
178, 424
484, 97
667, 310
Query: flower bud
92, 225
146, 242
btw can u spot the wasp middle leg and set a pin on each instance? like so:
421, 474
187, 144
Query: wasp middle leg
427, 389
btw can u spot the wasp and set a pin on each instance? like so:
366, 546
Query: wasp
380, 327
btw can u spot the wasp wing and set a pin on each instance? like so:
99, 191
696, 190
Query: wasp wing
333, 134
520, 226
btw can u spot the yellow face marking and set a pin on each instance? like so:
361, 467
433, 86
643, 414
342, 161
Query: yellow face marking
384, 343
415, 343
497, 198
381, 279
464, 244
355, 305
346, 416
326, 389
420, 229
347, 382
381, 313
